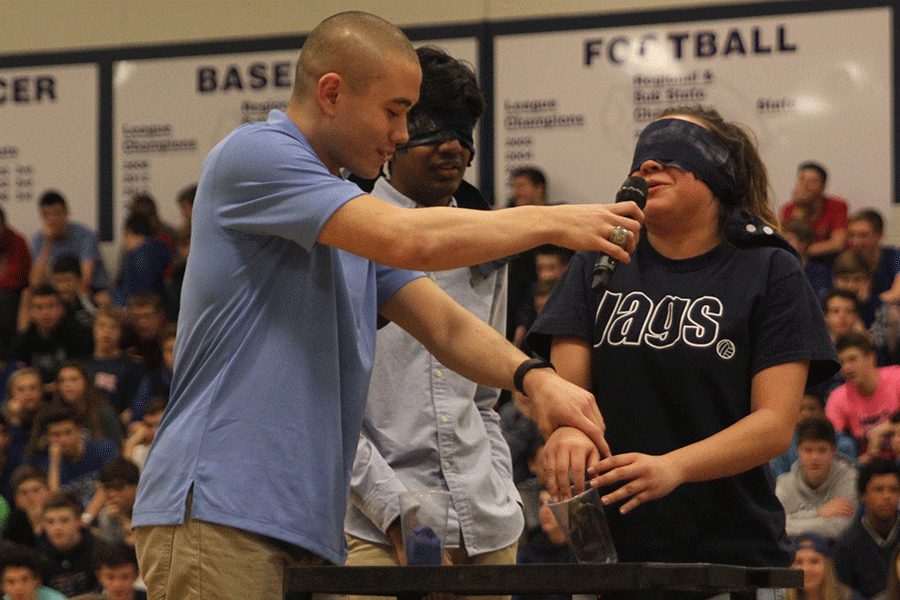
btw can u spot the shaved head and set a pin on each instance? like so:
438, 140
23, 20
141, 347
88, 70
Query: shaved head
353, 44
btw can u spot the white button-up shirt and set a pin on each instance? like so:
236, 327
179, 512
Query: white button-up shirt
427, 428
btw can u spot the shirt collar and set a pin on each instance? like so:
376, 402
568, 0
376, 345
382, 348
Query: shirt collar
876, 537
385, 191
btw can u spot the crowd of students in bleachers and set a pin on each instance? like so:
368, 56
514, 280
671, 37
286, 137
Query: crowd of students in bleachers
85, 369
87, 364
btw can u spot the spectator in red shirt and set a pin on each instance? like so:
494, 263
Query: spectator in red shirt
15, 264
826, 215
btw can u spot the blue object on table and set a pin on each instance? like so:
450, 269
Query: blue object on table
423, 547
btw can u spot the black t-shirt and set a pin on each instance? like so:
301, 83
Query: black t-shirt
676, 344
71, 571
70, 339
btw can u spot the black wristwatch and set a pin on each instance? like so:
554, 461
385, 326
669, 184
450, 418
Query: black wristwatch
527, 365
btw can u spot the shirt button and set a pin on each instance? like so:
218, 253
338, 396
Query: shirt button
444, 419
438, 373
447, 465
751, 227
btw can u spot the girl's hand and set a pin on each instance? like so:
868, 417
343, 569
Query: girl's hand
647, 478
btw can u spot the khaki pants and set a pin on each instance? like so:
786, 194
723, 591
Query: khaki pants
205, 561
368, 554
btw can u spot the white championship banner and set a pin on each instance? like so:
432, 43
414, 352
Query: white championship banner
169, 113
813, 86
49, 124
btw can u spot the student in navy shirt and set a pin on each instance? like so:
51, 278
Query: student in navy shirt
145, 262
70, 460
698, 352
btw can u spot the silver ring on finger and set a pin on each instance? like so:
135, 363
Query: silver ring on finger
619, 236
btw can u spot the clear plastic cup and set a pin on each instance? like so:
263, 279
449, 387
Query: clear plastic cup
583, 519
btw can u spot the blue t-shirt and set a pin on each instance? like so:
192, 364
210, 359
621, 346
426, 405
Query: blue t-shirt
80, 241
143, 270
44, 593
80, 477
888, 267
274, 349
676, 344
117, 379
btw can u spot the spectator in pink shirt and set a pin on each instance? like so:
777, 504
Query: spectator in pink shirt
871, 394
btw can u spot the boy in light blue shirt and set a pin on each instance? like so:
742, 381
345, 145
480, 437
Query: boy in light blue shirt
20, 575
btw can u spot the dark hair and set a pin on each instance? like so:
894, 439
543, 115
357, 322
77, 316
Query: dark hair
52, 414
2, 216
448, 84
113, 554
817, 396
849, 262
533, 174
95, 404
846, 295
47, 415
16, 555
44, 289
145, 300
870, 216
186, 196
119, 469
816, 428
24, 473
51, 198
814, 166
876, 466
144, 204
861, 340
751, 189
67, 263
139, 224
64, 499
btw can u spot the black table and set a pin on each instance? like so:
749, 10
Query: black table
649, 580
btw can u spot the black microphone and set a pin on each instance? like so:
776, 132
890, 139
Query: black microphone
635, 190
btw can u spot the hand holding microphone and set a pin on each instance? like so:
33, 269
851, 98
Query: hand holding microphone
635, 190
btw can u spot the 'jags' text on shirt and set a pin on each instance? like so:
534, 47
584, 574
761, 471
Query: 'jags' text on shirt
635, 319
